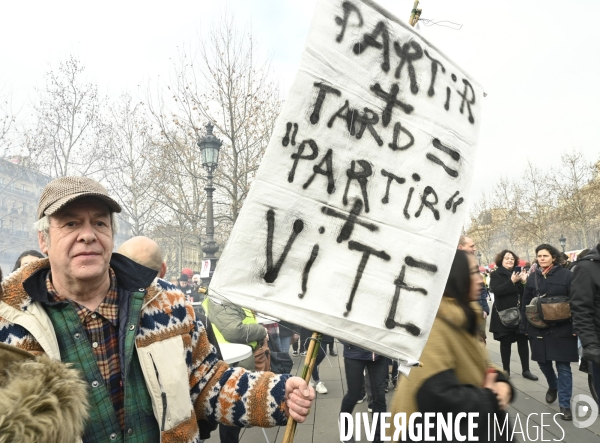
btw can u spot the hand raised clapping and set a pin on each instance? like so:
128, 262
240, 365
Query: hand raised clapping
516, 276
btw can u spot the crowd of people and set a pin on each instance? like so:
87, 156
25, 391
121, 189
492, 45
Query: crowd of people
148, 351
557, 282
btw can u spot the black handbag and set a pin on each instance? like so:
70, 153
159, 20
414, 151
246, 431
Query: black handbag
511, 317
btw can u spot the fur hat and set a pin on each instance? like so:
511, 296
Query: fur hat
41, 400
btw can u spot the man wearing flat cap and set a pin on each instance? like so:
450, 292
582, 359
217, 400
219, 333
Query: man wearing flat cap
151, 373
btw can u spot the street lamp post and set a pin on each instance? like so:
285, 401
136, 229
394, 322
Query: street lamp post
209, 148
479, 257
563, 242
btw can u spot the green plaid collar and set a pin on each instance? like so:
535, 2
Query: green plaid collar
111, 300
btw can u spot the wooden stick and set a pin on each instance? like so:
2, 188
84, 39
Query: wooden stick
413, 12
309, 364
417, 17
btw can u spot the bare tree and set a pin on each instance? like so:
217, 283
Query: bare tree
538, 202
176, 163
7, 123
540, 207
577, 195
484, 229
16, 168
233, 87
180, 191
69, 134
244, 103
226, 84
127, 165
507, 200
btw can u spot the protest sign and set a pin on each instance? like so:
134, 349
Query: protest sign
205, 270
354, 216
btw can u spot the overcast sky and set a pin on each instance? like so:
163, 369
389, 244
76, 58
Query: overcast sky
537, 60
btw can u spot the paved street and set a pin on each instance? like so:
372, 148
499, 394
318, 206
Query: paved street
321, 427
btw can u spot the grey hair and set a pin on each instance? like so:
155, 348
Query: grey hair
43, 226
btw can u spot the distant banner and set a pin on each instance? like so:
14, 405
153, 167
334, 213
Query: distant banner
353, 220
205, 271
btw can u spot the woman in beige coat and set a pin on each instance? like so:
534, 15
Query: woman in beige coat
454, 376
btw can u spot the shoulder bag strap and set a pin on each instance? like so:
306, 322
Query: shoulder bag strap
537, 289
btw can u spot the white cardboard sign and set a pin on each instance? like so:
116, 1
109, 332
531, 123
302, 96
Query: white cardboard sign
205, 270
353, 219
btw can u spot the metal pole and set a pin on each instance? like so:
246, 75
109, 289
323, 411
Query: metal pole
210, 224
209, 149
210, 247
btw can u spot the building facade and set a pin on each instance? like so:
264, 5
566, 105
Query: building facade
180, 249
20, 190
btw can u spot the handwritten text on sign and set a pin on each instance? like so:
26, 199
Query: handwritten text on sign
353, 220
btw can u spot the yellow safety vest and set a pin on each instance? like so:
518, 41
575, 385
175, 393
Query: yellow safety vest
249, 319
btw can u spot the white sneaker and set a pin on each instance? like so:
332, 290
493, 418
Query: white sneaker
362, 399
311, 383
320, 388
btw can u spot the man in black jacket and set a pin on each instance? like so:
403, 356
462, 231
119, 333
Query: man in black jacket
585, 308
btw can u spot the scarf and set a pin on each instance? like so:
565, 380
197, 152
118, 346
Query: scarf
547, 270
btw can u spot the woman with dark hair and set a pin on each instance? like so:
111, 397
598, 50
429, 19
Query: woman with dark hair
507, 286
28, 257
456, 374
556, 343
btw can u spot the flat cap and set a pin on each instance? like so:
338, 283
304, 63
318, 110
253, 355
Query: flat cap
64, 190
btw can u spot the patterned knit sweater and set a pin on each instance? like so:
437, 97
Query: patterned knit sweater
232, 396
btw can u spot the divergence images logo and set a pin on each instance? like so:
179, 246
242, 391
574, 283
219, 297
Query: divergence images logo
582, 410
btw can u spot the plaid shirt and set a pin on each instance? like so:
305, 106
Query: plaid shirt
102, 330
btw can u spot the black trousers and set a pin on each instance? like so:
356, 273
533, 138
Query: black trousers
522, 347
229, 434
328, 340
377, 371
